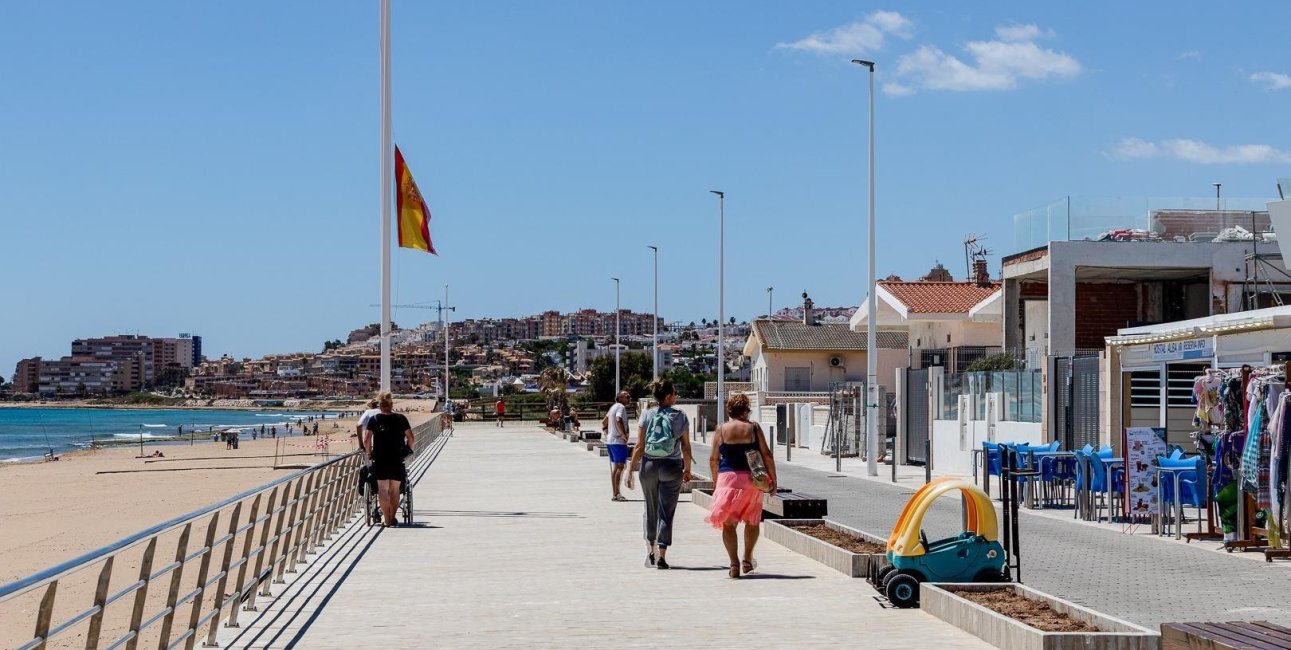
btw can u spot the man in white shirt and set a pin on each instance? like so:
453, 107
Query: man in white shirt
616, 441
363, 419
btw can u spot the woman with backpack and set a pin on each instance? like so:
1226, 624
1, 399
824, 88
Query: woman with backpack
663, 448
736, 498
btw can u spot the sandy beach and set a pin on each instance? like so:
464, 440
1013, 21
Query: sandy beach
53, 512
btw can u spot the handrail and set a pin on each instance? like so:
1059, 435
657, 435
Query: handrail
60, 570
302, 510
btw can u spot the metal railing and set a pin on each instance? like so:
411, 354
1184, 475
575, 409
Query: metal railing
287, 520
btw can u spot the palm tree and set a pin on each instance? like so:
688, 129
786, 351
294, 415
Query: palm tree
554, 383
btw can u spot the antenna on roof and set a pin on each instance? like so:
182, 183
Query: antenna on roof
975, 259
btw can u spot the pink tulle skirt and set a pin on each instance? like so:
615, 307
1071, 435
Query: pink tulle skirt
735, 500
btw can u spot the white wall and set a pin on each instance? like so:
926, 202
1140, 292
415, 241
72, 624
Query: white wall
931, 335
952, 449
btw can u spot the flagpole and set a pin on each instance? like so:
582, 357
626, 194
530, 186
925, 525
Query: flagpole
387, 178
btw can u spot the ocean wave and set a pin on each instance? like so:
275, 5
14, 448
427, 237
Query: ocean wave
155, 426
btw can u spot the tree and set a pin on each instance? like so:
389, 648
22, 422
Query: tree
331, 345
554, 383
1001, 361
689, 385
634, 376
732, 320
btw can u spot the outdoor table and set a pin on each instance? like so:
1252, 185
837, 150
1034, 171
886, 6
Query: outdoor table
1108, 465
1178, 502
1032, 458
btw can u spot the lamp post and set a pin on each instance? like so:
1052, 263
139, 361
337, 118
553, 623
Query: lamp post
654, 354
617, 329
444, 321
721, 305
769, 294
871, 356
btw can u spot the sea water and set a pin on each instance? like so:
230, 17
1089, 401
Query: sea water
29, 433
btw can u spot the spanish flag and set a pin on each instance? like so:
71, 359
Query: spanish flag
414, 216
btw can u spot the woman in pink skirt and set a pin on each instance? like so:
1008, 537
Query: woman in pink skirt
735, 499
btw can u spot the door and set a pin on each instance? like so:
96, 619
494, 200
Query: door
797, 379
916, 416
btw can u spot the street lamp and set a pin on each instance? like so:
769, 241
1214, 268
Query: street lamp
871, 353
617, 329
654, 355
444, 321
770, 291
721, 306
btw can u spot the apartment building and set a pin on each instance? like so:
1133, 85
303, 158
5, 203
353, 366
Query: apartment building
26, 375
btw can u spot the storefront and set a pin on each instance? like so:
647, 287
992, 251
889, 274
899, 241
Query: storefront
1153, 368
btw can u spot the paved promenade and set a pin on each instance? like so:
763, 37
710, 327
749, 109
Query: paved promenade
1141, 578
520, 546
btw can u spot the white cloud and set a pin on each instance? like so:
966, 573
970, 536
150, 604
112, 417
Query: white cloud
860, 37
897, 90
1198, 152
1022, 32
1195, 55
1272, 80
995, 65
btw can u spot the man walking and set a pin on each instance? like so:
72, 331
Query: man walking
616, 441
501, 409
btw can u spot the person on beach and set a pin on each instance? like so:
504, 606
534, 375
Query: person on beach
501, 408
663, 448
616, 442
386, 436
735, 499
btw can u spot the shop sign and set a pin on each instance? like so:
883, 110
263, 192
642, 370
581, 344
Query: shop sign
1202, 348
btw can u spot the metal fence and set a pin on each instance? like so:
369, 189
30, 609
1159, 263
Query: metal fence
247, 542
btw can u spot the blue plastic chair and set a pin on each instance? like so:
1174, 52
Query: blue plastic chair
1098, 484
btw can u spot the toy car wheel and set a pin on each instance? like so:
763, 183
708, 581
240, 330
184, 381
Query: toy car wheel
902, 590
882, 575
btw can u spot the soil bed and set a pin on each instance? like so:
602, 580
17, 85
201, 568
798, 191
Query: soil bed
1035, 613
840, 539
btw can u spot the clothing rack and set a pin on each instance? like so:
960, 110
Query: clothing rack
1242, 409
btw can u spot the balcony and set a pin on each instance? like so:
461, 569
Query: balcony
1172, 219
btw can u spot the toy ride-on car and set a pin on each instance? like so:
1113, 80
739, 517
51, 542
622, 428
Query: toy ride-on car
974, 555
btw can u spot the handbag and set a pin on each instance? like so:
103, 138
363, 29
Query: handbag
758, 474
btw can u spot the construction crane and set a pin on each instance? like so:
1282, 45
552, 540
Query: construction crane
439, 308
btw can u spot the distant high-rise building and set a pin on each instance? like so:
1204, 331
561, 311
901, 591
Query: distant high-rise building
26, 376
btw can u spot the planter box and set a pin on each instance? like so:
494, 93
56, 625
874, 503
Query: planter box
856, 565
594, 445
697, 483
1004, 632
702, 498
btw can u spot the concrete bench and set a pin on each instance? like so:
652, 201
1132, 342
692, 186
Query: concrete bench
785, 504
1224, 636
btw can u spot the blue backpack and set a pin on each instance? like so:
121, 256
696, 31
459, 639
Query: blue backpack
659, 442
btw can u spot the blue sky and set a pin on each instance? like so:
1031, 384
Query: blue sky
212, 167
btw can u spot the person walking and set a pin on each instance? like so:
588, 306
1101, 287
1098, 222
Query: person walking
501, 409
616, 442
387, 439
371, 411
663, 448
735, 498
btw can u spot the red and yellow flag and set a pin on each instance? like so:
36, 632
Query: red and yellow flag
414, 216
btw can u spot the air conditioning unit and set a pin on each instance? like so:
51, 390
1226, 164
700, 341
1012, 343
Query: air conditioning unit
835, 362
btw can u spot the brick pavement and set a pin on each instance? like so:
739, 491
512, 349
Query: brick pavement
1141, 579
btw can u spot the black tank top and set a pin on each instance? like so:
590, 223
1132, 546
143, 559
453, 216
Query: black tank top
731, 456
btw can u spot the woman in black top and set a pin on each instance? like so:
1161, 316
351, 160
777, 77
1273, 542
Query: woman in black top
735, 499
384, 440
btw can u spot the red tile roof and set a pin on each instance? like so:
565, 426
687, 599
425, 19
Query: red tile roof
939, 297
